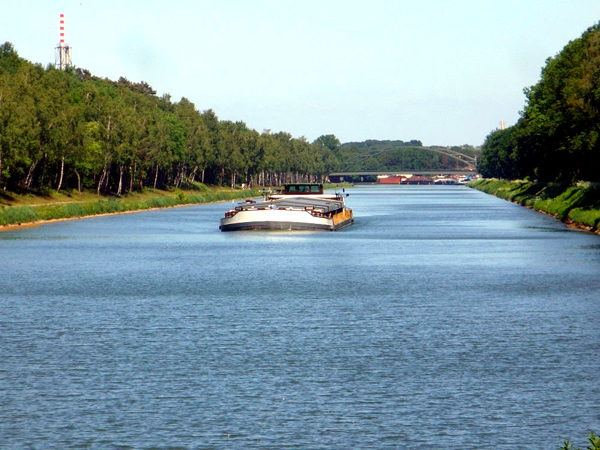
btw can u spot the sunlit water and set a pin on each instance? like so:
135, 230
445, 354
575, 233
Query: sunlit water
444, 318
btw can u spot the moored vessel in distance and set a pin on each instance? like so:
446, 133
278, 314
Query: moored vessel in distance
299, 206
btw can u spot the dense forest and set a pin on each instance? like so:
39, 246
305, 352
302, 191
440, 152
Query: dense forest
557, 137
71, 130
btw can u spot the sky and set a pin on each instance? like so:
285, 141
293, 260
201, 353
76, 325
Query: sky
445, 72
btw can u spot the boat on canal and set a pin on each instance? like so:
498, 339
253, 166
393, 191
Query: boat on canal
299, 206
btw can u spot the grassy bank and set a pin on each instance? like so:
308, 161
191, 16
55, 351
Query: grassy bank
18, 209
578, 205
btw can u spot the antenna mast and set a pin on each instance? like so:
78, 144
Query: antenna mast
62, 58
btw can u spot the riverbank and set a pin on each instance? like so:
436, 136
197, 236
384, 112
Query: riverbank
23, 210
27, 210
576, 205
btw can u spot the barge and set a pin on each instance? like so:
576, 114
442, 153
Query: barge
299, 206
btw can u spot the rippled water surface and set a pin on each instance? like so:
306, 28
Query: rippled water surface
444, 318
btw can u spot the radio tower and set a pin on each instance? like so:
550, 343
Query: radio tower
62, 58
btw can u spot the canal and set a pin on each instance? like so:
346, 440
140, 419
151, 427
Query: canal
443, 318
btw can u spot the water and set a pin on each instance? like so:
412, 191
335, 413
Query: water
444, 318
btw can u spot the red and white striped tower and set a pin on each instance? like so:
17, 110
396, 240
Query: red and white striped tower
62, 30
62, 58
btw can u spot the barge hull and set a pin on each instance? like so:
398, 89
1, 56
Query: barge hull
296, 225
262, 225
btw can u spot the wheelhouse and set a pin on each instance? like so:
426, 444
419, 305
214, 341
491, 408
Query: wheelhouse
302, 189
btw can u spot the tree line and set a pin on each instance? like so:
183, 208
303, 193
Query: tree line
557, 137
70, 130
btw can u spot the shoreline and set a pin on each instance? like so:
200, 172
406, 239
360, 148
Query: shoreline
551, 199
37, 223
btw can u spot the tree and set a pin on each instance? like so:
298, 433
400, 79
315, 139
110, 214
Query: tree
328, 141
70, 129
557, 136
9, 59
499, 155
191, 121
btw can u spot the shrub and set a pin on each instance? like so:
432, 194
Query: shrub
72, 210
180, 197
196, 198
588, 217
200, 186
561, 205
17, 215
592, 440
159, 202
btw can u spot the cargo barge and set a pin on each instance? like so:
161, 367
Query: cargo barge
299, 206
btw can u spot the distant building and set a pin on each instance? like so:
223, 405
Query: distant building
417, 179
390, 179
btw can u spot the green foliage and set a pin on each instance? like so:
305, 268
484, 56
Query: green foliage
180, 197
200, 187
373, 155
585, 216
17, 215
329, 141
195, 198
499, 157
65, 130
158, 202
72, 210
560, 205
520, 192
557, 136
593, 441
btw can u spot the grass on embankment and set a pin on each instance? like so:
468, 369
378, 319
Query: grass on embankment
16, 209
576, 204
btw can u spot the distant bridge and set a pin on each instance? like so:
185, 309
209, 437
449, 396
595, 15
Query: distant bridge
367, 173
466, 160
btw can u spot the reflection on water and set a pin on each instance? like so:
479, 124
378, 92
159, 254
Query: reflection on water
442, 317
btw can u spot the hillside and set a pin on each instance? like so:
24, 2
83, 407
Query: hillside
386, 155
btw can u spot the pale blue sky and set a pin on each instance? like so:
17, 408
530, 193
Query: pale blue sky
442, 71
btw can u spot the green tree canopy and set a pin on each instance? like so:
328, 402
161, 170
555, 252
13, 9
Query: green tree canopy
71, 130
557, 136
